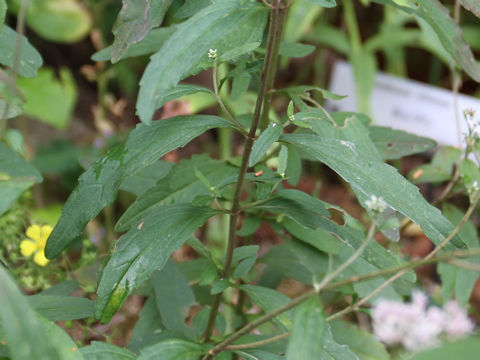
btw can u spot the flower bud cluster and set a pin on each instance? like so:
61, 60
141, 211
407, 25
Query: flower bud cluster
473, 125
416, 326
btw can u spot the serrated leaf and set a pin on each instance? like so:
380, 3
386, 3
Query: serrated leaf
174, 349
264, 141
98, 350
471, 5
134, 22
269, 300
98, 186
56, 308
324, 3
308, 331
30, 59
395, 144
223, 26
373, 177
173, 297
23, 329
152, 43
16, 176
180, 186
144, 249
297, 205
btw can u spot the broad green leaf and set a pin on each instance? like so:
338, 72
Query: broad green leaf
223, 26
23, 329
63, 21
148, 329
48, 99
61, 341
318, 238
467, 349
361, 342
30, 59
65, 288
144, 249
56, 308
134, 22
239, 50
16, 176
174, 349
395, 144
191, 7
295, 50
98, 186
152, 43
264, 141
330, 36
269, 300
373, 177
143, 180
183, 90
297, 205
3, 11
174, 297
98, 350
308, 331
440, 169
472, 6
334, 351
324, 3
456, 281
181, 186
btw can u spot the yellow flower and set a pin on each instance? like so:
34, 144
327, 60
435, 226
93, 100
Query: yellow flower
35, 244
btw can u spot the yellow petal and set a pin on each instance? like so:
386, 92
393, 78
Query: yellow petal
40, 258
27, 247
46, 230
34, 232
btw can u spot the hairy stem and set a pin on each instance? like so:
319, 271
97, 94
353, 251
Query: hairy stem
235, 211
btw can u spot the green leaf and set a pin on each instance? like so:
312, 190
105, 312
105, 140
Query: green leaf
152, 43
16, 176
239, 50
282, 161
3, 11
297, 205
98, 186
148, 329
56, 308
456, 281
440, 169
48, 99
373, 177
182, 90
30, 59
471, 5
174, 349
24, 331
63, 21
364, 70
395, 144
12, 111
174, 297
191, 7
181, 186
294, 165
98, 350
143, 180
264, 141
269, 300
361, 342
318, 238
224, 25
295, 50
252, 354
308, 331
61, 341
469, 173
144, 249
134, 22
65, 288
324, 3
467, 349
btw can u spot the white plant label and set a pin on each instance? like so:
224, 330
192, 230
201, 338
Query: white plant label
407, 105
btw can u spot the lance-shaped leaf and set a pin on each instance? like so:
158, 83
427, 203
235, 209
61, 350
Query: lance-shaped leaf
16, 176
144, 249
98, 350
224, 25
30, 59
56, 308
174, 349
134, 22
266, 138
98, 186
182, 185
371, 176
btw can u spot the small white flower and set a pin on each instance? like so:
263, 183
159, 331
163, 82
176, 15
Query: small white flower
212, 54
376, 204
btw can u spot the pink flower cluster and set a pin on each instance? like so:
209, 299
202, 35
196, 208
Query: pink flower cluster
416, 326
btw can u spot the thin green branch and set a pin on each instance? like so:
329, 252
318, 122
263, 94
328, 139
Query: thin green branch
257, 343
235, 211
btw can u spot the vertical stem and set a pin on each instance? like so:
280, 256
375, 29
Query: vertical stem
352, 26
235, 211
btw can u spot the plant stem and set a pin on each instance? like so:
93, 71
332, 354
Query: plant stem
257, 343
235, 211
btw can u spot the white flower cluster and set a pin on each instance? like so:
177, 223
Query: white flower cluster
416, 326
212, 54
376, 204
473, 125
